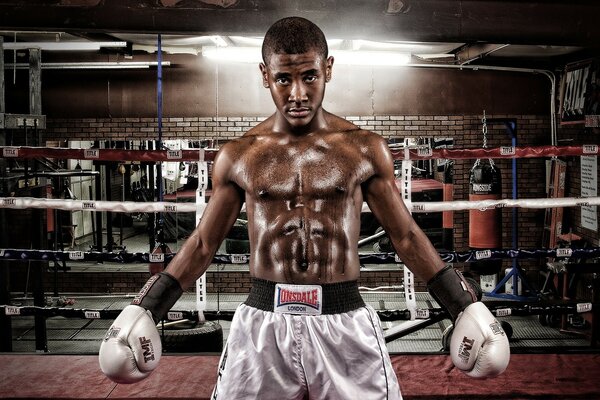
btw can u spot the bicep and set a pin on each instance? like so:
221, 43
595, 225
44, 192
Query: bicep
386, 204
220, 213
409, 241
225, 202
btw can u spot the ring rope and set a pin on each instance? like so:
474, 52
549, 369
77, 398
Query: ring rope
418, 207
93, 205
124, 257
498, 309
500, 152
416, 153
483, 205
120, 155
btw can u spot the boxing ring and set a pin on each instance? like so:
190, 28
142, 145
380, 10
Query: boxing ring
402, 318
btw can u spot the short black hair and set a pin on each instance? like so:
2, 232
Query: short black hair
293, 35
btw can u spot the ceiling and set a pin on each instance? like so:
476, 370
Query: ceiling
519, 33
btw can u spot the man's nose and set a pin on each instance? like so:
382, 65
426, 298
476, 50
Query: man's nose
298, 93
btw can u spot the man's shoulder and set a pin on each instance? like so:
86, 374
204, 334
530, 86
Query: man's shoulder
363, 136
262, 128
345, 126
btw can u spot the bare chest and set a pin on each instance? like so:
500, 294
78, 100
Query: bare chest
286, 172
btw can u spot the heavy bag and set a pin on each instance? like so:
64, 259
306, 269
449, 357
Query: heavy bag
485, 227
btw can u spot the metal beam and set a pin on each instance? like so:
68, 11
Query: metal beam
471, 52
62, 46
493, 21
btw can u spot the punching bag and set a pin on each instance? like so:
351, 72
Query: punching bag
485, 227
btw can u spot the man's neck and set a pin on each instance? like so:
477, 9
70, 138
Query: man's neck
318, 123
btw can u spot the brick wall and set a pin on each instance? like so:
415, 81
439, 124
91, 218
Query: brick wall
223, 128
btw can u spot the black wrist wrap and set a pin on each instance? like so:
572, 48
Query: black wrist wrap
158, 295
450, 289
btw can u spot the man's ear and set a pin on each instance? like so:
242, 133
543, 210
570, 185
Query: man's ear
329, 68
263, 71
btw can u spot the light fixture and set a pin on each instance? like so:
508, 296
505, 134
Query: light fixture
253, 55
61, 46
219, 41
373, 58
93, 65
436, 56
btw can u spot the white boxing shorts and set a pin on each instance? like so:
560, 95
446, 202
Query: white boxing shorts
280, 348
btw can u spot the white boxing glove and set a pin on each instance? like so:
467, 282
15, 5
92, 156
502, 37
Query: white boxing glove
131, 348
479, 346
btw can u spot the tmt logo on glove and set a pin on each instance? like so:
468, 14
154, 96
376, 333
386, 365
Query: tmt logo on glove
148, 348
464, 351
466, 346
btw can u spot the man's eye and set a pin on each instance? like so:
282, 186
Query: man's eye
282, 81
310, 78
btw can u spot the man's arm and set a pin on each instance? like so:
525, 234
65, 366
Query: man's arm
132, 347
479, 346
386, 204
196, 254
446, 285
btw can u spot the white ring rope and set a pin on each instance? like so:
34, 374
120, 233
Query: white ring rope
92, 205
170, 207
483, 205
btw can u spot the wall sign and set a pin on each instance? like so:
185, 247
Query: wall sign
589, 188
580, 94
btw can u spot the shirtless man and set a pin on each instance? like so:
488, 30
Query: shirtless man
304, 330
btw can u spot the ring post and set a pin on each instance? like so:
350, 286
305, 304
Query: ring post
405, 182
515, 273
201, 199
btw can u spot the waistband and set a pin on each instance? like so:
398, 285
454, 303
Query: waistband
338, 297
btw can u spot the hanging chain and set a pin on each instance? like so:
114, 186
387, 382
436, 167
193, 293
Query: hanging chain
484, 130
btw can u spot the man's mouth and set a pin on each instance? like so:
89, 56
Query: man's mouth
299, 112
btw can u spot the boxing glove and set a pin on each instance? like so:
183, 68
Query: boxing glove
131, 348
479, 346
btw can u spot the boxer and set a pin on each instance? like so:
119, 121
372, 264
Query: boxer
304, 330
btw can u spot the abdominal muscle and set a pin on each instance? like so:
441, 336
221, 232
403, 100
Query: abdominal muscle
304, 244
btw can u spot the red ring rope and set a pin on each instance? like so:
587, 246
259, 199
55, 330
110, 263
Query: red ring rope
21, 152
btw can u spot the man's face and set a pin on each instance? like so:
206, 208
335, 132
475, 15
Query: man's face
297, 85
